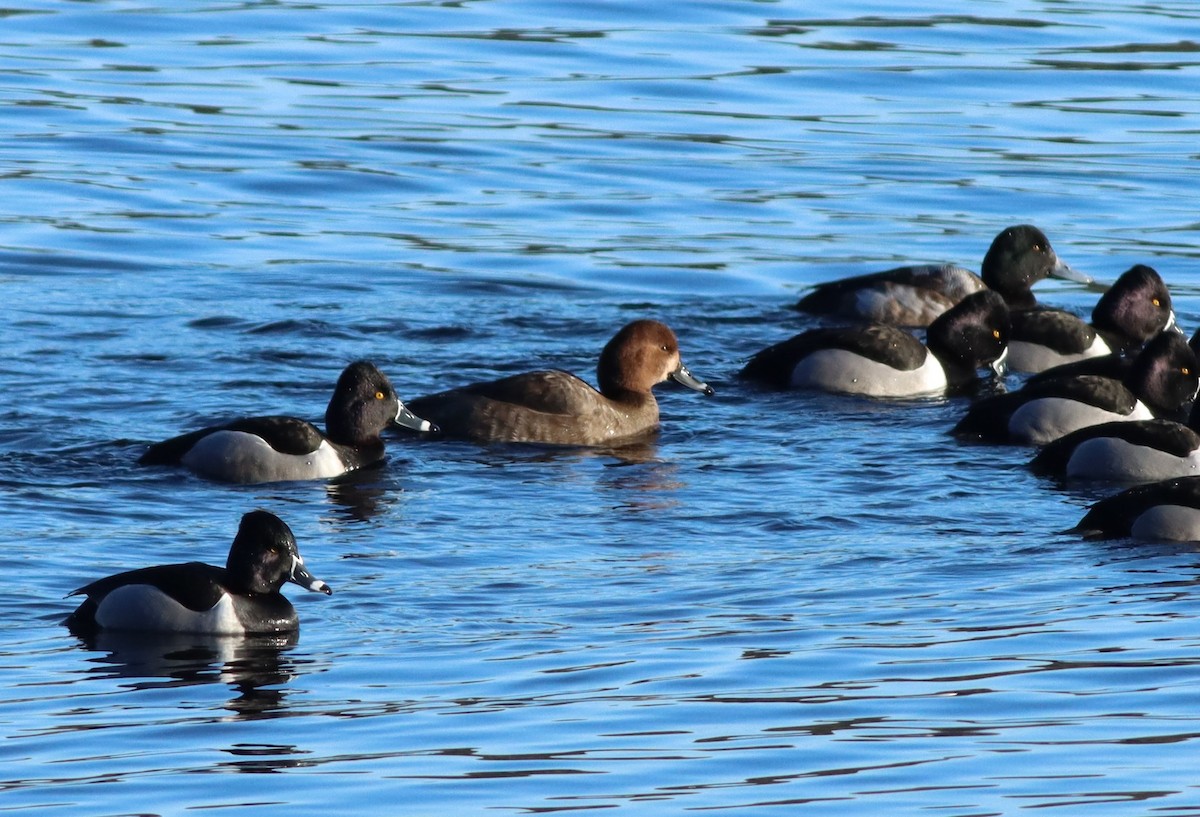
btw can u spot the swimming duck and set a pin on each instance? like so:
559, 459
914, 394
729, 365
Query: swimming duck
1018, 258
1134, 309
1161, 380
271, 449
242, 597
1169, 509
558, 408
1138, 451
885, 361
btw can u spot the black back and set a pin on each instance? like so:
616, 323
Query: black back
1055, 329
288, 435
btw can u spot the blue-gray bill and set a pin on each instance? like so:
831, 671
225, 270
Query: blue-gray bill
406, 419
682, 376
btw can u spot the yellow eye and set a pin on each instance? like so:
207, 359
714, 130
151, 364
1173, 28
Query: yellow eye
996, 334
1186, 370
1155, 302
378, 395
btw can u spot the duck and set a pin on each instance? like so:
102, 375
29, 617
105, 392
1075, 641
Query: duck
1137, 451
555, 407
239, 599
278, 448
915, 295
1161, 379
1164, 510
880, 360
1134, 309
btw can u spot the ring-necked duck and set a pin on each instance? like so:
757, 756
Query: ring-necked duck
885, 361
1139, 451
1134, 309
1169, 509
1161, 380
558, 408
1018, 258
242, 597
273, 449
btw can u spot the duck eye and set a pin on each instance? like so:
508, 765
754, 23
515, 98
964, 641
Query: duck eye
378, 395
1037, 247
996, 334
1155, 301
1186, 370
666, 348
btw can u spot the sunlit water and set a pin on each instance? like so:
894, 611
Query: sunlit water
808, 602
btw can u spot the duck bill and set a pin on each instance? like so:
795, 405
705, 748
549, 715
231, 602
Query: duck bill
999, 366
406, 419
682, 376
1061, 270
308, 581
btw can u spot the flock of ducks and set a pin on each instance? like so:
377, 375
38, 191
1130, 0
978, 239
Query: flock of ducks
1103, 399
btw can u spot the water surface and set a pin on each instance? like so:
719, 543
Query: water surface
786, 600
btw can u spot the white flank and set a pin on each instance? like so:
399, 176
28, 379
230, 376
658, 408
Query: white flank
1038, 422
1116, 459
1033, 357
841, 371
146, 608
1176, 522
243, 457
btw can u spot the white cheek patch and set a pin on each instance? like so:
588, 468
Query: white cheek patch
243, 457
146, 608
841, 371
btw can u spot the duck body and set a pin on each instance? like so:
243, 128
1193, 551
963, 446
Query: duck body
241, 598
1044, 411
880, 360
1017, 258
1164, 510
558, 408
912, 295
262, 449
279, 448
1140, 451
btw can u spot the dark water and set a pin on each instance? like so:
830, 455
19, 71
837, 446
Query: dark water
797, 601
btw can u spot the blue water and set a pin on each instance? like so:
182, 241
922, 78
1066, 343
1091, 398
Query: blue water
818, 604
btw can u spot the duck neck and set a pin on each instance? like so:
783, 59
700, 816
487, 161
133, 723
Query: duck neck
346, 429
939, 340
